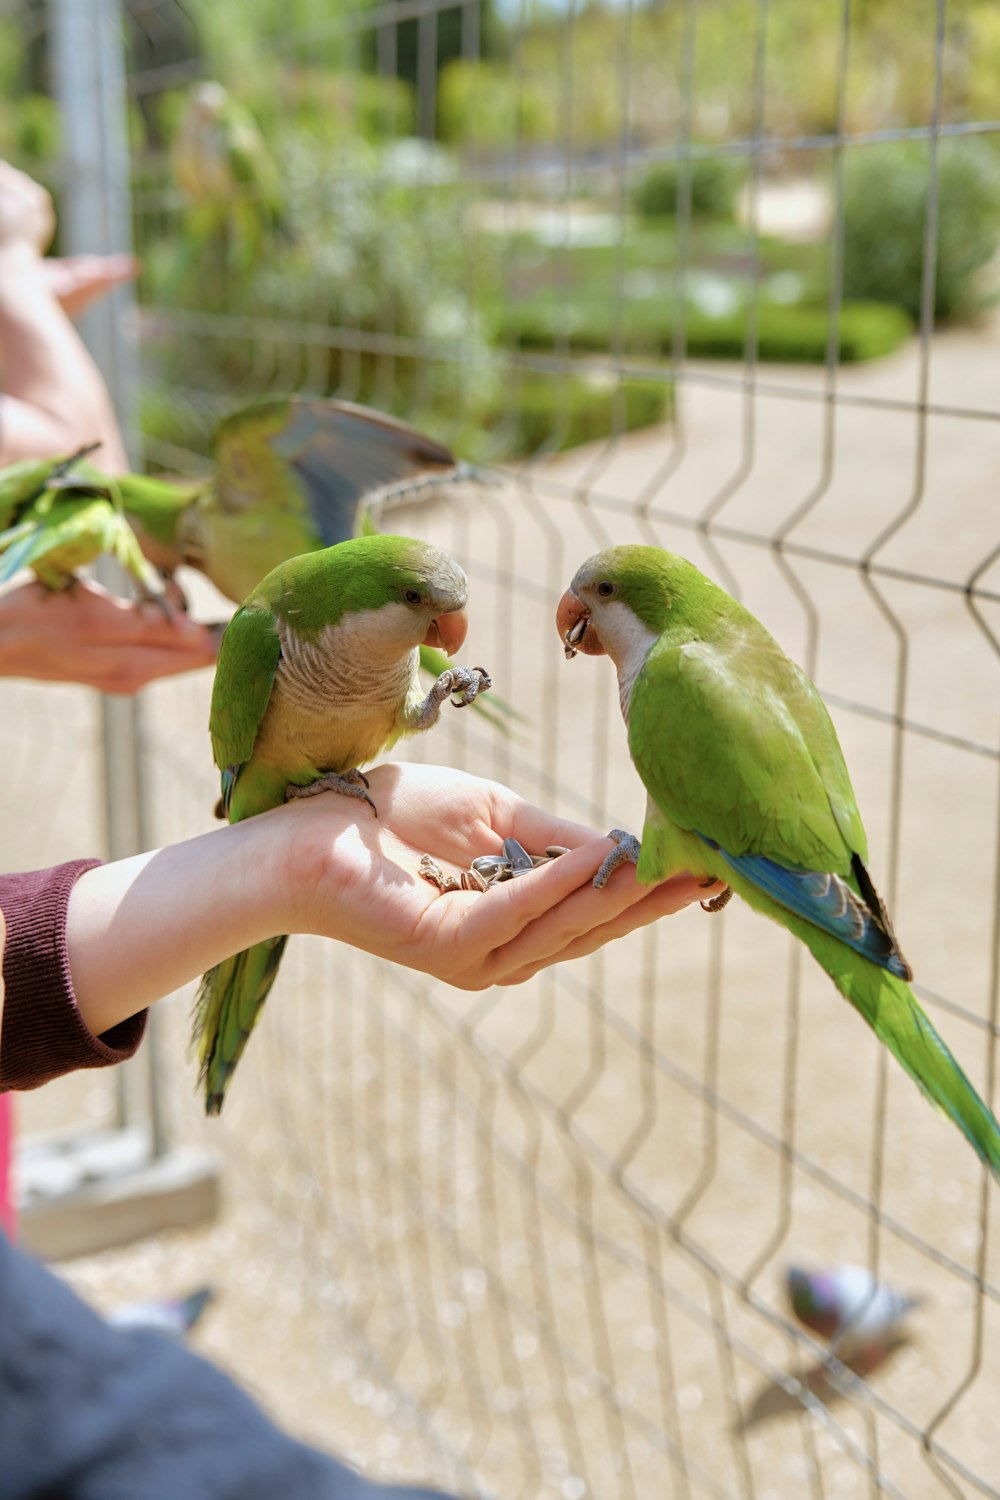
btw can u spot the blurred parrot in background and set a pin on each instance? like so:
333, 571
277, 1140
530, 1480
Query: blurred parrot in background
292, 474
317, 674
848, 1306
221, 163
60, 515
173, 1316
747, 785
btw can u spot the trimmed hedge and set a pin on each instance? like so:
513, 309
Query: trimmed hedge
794, 334
565, 411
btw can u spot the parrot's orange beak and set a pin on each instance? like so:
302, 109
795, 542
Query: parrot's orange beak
447, 632
576, 628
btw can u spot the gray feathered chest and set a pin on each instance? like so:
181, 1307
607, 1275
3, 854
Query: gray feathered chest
337, 699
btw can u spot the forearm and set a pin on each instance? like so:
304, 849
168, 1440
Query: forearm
137, 929
47, 371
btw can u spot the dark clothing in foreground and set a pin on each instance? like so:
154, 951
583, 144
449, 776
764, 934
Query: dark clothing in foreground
87, 1411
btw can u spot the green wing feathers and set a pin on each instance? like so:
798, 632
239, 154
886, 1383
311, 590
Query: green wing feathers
244, 676
733, 741
227, 1007
735, 745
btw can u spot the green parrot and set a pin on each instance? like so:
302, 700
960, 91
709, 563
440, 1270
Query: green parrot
231, 182
59, 515
292, 474
317, 674
747, 785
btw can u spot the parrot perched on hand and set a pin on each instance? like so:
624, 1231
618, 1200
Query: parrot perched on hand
747, 785
317, 674
58, 515
849, 1307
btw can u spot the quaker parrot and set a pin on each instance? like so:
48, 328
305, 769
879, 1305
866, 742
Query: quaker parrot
292, 474
231, 182
173, 1316
849, 1307
747, 785
59, 515
317, 675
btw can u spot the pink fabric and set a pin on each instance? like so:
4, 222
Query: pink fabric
8, 1218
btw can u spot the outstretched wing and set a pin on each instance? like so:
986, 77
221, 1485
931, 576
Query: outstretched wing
320, 458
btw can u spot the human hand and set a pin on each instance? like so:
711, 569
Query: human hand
355, 877
78, 280
26, 212
86, 635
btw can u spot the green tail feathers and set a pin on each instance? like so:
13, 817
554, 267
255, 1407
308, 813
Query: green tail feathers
891, 1010
227, 1006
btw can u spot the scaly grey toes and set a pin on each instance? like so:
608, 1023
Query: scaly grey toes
467, 683
718, 902
626, 851
350, 784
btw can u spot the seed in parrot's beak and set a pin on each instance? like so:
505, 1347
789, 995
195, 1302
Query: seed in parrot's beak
575, 636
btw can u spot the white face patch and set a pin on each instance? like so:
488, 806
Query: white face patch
627, 641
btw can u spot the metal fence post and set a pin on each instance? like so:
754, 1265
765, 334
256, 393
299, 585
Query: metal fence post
88, 67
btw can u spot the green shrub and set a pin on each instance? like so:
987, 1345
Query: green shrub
562, 412
793, 334
886, 190
715, 181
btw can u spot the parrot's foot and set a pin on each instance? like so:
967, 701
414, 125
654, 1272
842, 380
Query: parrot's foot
462, 684
173, 593
352, 783
626, 851
717, 903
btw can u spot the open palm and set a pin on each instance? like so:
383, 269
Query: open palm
360, 879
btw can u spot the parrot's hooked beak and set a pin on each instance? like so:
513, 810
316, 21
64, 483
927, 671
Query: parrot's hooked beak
447, 632
576, 628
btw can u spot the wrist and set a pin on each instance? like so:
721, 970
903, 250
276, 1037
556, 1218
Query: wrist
19, 255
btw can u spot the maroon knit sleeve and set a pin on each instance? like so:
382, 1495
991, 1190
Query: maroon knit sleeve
43, 1033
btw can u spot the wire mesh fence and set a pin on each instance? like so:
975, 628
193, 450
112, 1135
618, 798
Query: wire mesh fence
533, 1242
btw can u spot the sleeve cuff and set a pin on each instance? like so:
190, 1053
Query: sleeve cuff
43, 1034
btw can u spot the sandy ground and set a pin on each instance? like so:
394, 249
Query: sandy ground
535, 1239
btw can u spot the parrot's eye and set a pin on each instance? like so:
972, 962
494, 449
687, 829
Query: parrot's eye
413, 596
605, 588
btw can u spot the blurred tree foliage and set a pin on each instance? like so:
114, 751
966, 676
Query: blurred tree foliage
886, 203
387, 284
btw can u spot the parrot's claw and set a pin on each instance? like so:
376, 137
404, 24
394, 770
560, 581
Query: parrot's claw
626, 851
467, 684
717, 903
352, 783
462, 684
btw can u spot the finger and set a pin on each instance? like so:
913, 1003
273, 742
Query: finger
550, 898
569, 924
536, 828
664, 900
121, 622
